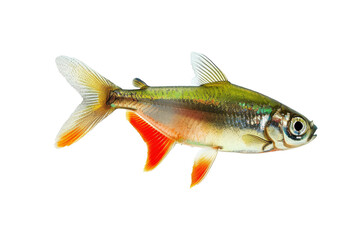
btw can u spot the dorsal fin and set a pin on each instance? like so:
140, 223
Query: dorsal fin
158, 144
205, 70
137, 82
202, 165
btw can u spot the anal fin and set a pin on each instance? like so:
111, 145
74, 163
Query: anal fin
202, 165
158, 144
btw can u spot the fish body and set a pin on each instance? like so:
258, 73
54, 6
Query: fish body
215, 115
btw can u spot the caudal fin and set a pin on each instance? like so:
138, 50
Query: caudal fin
94, 89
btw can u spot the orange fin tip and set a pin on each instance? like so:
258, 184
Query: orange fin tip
69, 137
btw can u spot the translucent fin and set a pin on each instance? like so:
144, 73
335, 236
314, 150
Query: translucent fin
94, 89
202, 165
205, 70
137, 82
252, 140
158, 144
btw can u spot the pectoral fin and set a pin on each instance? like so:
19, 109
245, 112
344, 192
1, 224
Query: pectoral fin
158, 144
258, 142
202, 165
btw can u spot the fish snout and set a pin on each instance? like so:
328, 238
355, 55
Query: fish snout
313, 128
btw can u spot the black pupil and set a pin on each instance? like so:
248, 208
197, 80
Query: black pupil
298, 126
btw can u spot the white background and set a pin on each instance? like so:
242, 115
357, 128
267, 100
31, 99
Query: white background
305, 54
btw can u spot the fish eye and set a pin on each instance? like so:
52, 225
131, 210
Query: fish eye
298, 126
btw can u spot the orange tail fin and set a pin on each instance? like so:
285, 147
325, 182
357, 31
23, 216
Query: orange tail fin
94, 89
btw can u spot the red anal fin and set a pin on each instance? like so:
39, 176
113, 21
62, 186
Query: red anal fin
202, 165
158, 144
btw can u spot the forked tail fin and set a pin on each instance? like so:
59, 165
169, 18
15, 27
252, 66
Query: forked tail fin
94, 89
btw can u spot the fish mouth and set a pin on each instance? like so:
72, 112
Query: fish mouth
312, 134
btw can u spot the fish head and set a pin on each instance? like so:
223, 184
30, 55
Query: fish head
289, 129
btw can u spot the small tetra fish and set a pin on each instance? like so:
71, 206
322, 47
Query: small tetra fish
216, 115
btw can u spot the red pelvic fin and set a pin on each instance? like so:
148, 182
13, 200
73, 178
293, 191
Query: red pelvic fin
158, 144
202, 165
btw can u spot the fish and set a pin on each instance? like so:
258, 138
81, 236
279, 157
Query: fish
215, 115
